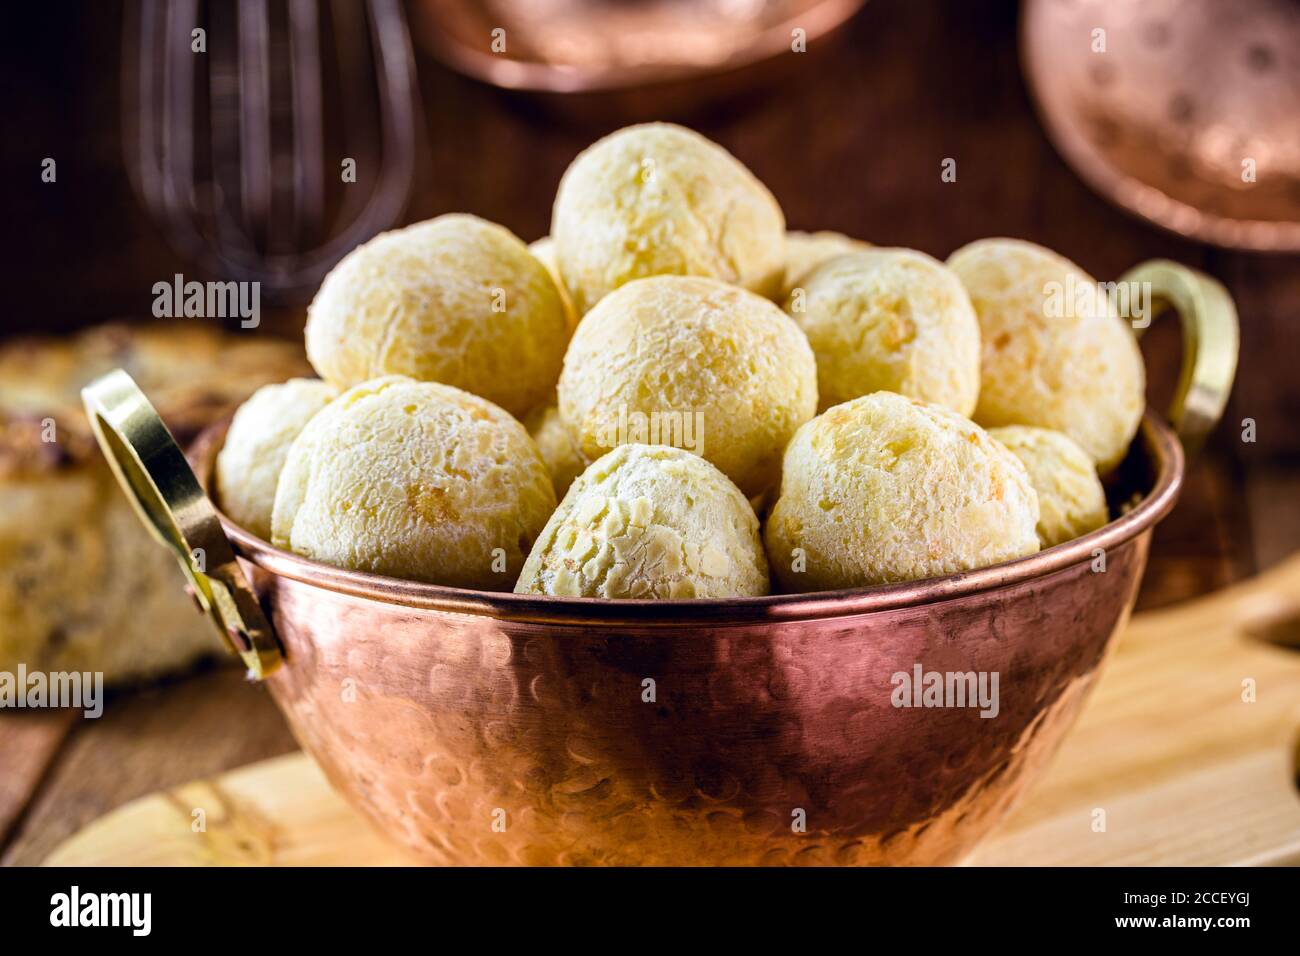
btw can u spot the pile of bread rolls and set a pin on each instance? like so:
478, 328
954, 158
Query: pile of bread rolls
673, 397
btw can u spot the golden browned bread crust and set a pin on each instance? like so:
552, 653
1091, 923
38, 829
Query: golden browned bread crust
82, 585
193, 374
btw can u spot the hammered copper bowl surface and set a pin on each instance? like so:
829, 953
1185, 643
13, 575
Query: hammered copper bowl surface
483, 728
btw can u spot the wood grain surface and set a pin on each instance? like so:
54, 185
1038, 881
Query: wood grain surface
1186, 750
851, 138
157, 737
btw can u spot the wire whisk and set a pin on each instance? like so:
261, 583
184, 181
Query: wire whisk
268, 139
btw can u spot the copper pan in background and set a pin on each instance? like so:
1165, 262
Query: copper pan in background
478, 727
599, 60
1188, 100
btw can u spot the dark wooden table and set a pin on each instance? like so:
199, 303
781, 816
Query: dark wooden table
852, 139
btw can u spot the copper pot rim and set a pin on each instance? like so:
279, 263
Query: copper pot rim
1159, 439
536, 76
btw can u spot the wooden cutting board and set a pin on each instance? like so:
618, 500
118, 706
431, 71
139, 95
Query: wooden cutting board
1187, 751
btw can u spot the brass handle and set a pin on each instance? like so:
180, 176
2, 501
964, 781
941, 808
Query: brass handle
1210, 343
159, 483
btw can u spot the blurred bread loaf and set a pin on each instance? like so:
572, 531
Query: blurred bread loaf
82, 585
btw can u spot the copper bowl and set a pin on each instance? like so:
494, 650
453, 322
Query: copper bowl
584, 46
488, 728
1184, 112
592, 59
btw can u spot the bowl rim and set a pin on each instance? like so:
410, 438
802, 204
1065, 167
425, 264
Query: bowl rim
525, 75
1162, 445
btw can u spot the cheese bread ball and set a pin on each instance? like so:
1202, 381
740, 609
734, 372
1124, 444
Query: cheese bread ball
248, 468
1052, 355
693, 363
416, 480
1071, 501
662, 200
891, 320
886, 488
649, 522
456, 300
558, 445
543, 251
806, 251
